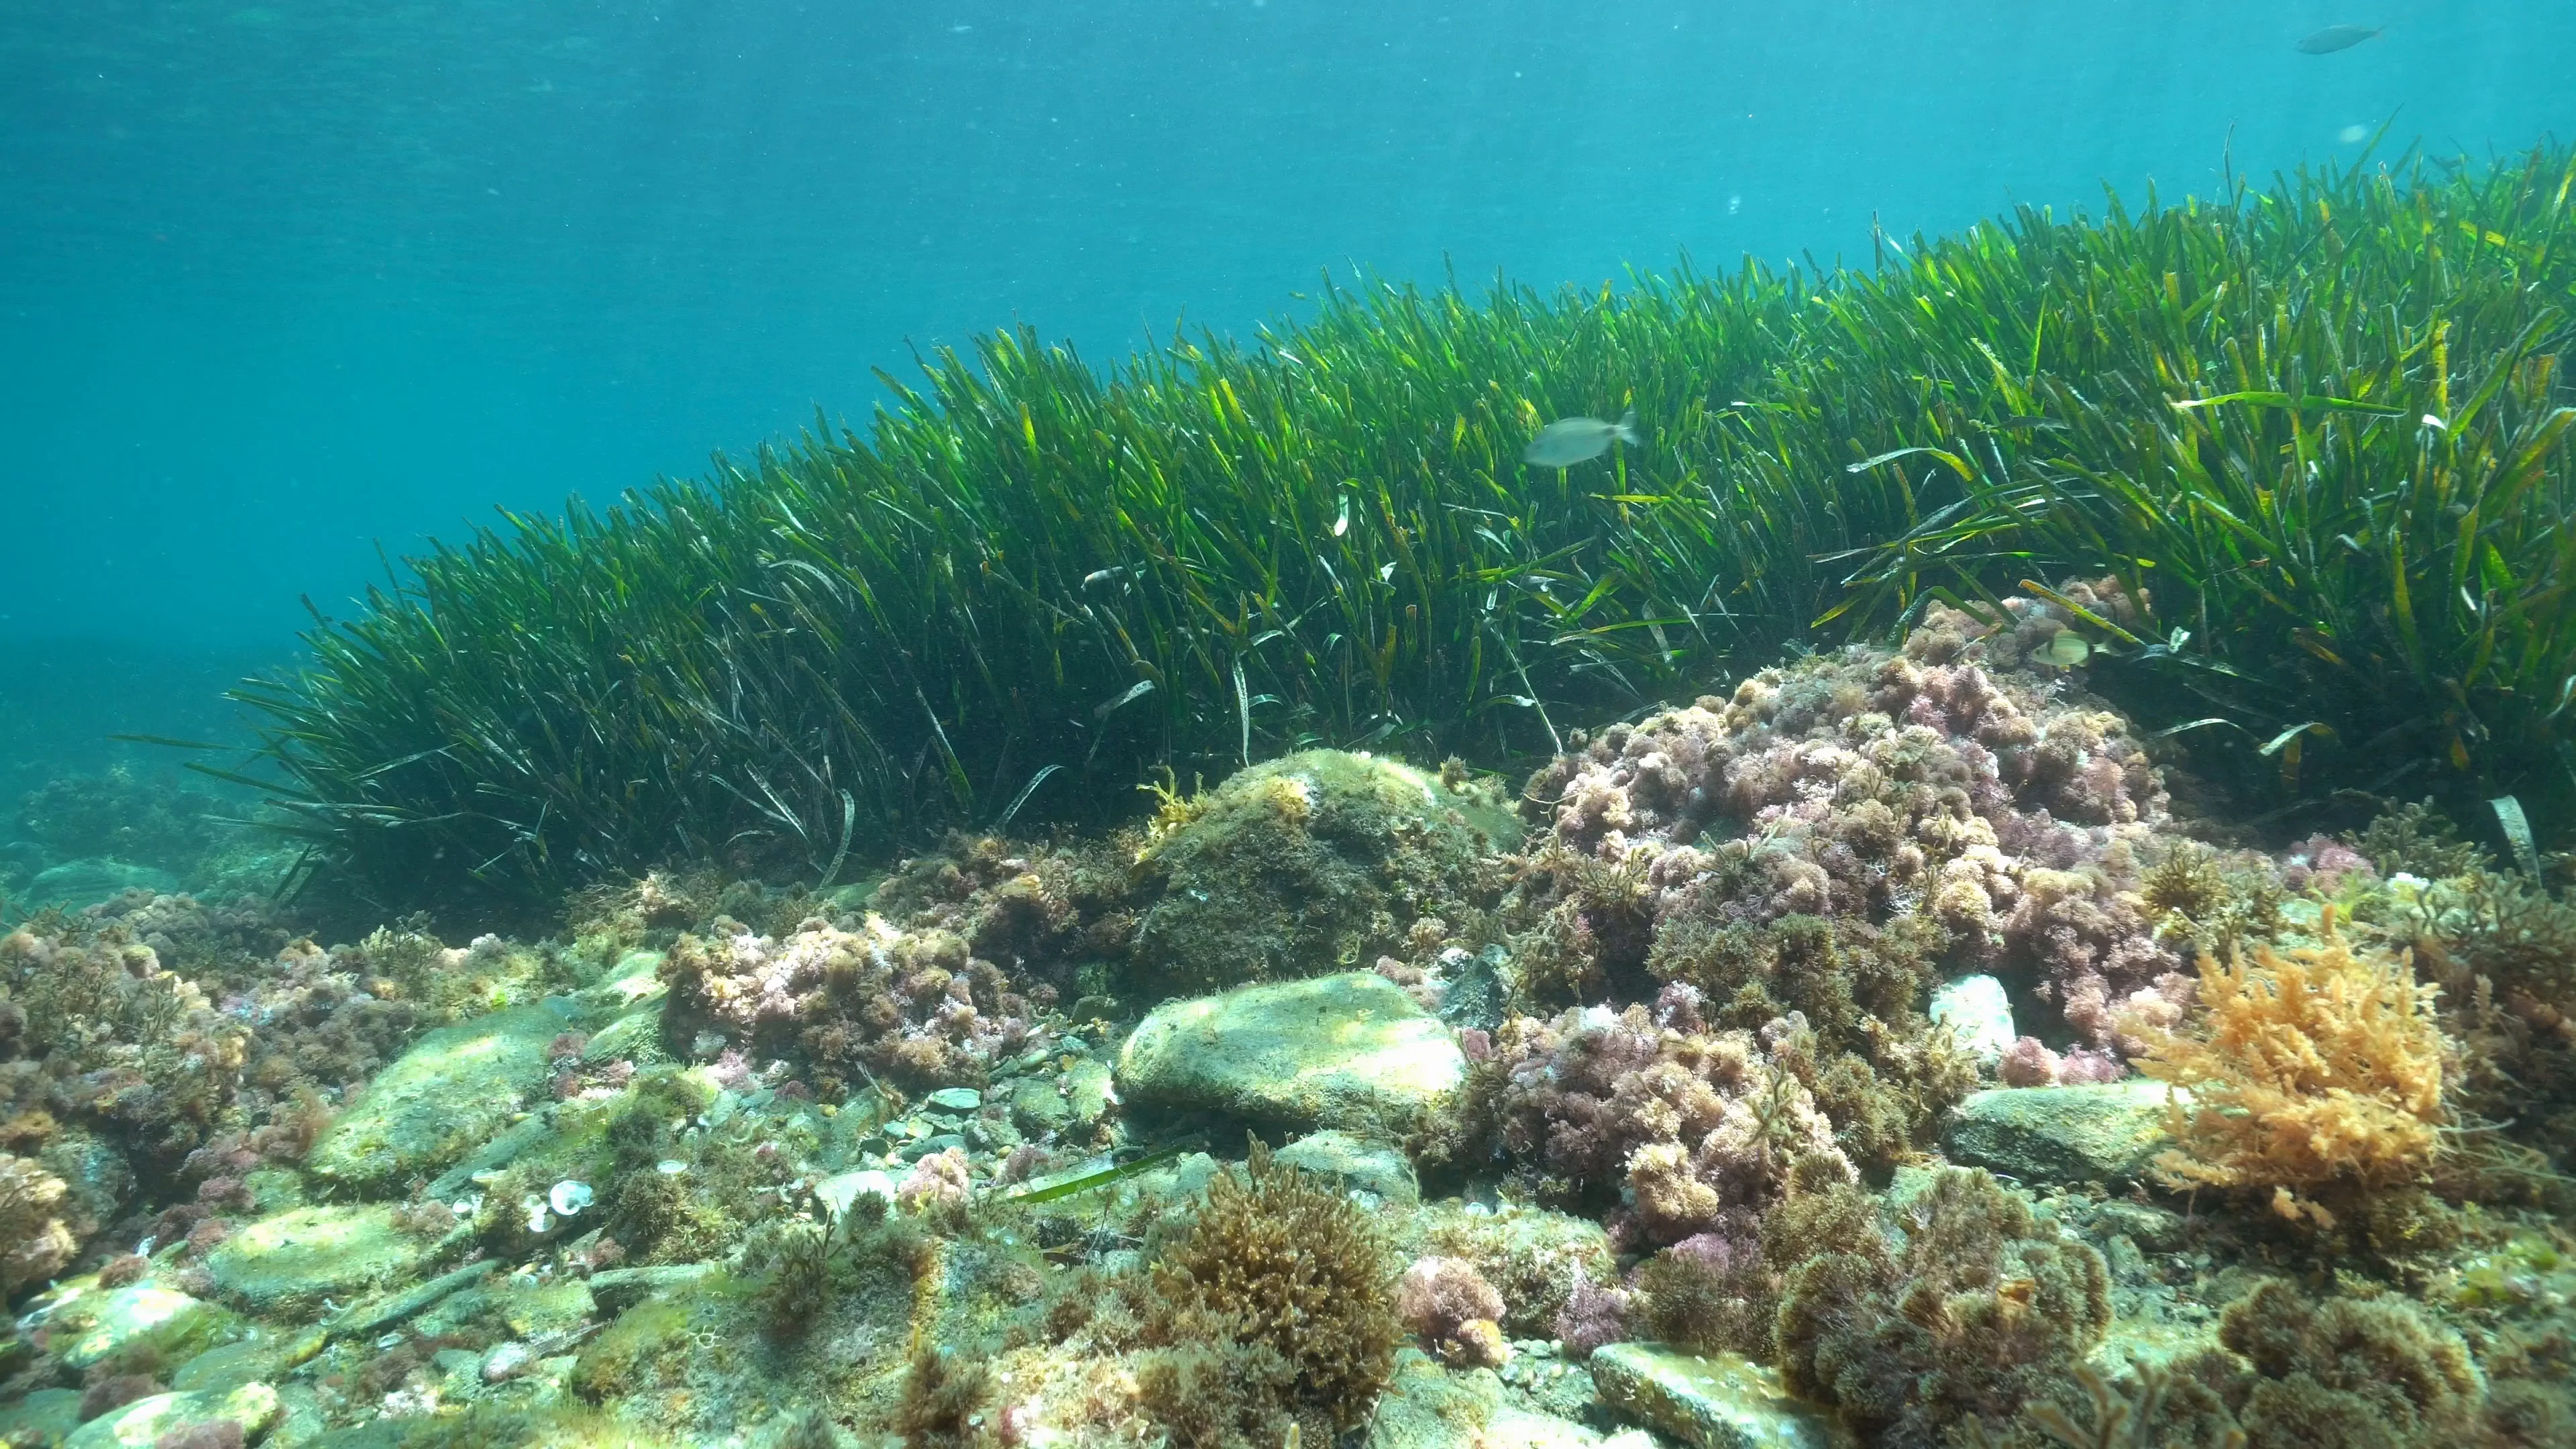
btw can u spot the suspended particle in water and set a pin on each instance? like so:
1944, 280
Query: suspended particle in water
1734, 203
2353, 135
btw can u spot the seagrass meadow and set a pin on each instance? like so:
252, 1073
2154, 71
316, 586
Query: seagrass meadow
2315, 432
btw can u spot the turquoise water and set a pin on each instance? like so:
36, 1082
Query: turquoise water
283, 282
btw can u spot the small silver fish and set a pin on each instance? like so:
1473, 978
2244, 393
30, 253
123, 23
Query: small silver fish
1568, 441
2338, 37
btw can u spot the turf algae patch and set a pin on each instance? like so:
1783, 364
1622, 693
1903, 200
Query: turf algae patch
453, 1090
1350, 1052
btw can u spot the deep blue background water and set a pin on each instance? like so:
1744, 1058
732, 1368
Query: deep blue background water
282, 280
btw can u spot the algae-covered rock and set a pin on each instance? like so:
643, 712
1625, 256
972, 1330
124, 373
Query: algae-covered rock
1038, 1105
317, 1252
1350, 1052
1307, 864
2104, 1133
41, 1420
627, 1354
1428, 1407
1715, 1401
139, 1424
230, 1366
1355, 1165
89, 1326
78, 883
1532, 1255
1089, 1088
456, 1087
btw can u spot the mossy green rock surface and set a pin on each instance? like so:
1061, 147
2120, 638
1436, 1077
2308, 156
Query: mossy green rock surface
139, 1315
458, 1086
1428, 1407
317, 1252
2104, 1133
41, 1420
78, 883
1308, 864
1355, 1164
1349, 1052
253, 1406
1715, 1401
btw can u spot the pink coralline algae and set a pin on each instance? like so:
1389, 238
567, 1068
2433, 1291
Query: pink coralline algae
910, 1006
1674, 1133
1453, 1308
1958, 783
941, 1180
1594, 1315
2029, 1063
2325, 865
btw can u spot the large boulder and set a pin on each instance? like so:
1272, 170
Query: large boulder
78, 883
1716, 1401
1351, 1052
2104, 1132
1307, 864
454, 1089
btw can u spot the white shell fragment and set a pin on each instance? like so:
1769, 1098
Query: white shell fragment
537, 1220
569, 1197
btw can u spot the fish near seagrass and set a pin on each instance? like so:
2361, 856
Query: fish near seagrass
1568, 441
2338, 37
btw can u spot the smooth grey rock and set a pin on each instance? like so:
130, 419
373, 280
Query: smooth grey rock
1716, 1401
1979, 1015
1478, 997
2107, 1133
1351, 1052
76, 884
1356, 1164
